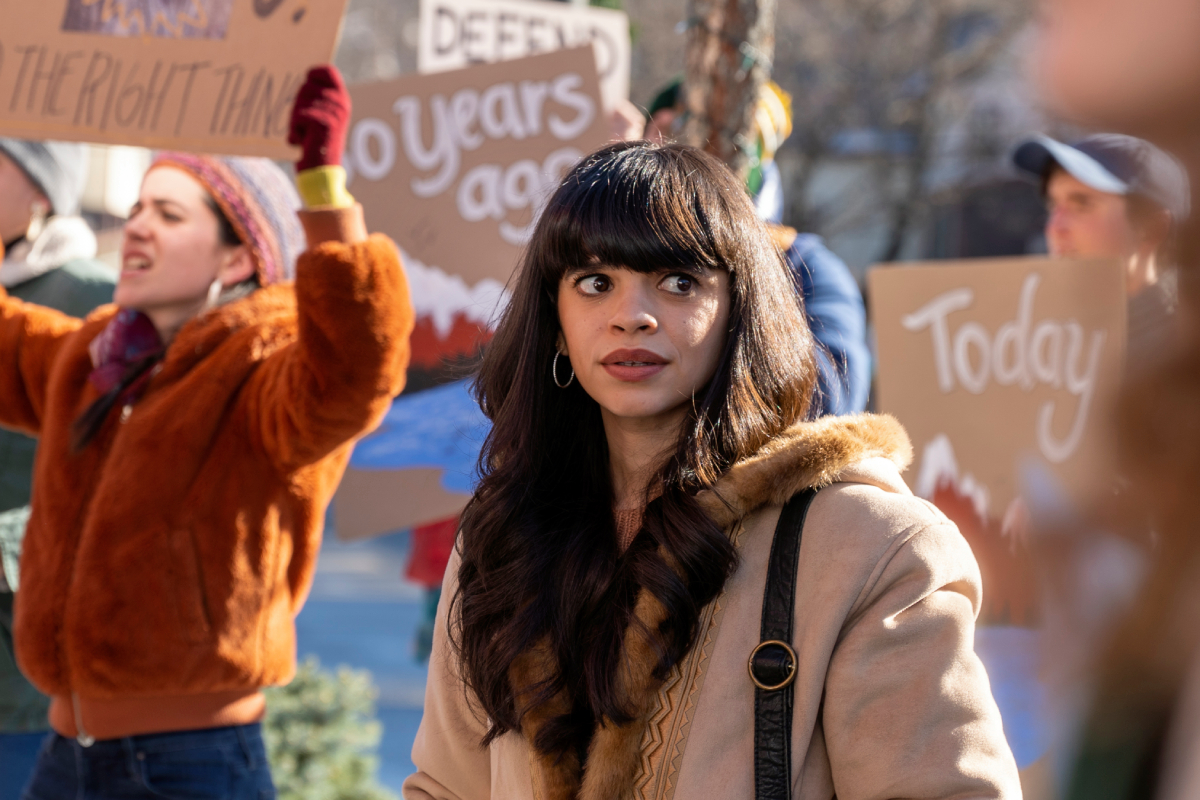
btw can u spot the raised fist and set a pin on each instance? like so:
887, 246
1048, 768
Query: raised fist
320, 117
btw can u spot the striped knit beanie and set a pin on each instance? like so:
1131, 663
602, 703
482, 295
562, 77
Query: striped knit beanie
258, 199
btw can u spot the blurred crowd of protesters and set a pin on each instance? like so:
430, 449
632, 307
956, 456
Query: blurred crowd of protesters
202, 249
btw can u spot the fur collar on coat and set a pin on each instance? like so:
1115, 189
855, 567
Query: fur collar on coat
806, 455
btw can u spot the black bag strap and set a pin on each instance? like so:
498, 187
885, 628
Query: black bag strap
773, 663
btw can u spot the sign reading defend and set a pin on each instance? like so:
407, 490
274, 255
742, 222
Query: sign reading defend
213, 76
459, 33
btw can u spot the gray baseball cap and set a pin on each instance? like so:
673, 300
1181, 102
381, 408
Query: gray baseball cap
58, 169
1112, 163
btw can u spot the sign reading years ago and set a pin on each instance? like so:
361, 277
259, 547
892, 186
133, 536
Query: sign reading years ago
455, 166
458, 33
204, 75
996, 365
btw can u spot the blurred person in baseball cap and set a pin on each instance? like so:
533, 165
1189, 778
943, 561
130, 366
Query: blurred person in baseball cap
1115, 196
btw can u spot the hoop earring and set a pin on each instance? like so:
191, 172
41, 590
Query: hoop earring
37, 221
554, 372
214, 294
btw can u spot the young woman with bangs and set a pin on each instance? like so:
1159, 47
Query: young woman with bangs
649, 387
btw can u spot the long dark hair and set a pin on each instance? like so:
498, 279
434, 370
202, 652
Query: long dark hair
540, 561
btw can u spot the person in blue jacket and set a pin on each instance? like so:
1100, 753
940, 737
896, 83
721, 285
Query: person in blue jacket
838, 318
832, 300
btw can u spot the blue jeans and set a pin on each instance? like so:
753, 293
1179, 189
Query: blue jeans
18, 753
215, 763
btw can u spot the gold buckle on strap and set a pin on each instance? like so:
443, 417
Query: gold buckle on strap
791, 673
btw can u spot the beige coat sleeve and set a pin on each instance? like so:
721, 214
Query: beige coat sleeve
450, 763
908, 707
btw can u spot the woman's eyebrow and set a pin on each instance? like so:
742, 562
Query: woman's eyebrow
165, 203
697, 270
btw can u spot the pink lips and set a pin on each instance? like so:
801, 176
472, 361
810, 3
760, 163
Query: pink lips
633, 365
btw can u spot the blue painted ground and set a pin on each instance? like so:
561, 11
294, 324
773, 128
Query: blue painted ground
362, 613
439, 428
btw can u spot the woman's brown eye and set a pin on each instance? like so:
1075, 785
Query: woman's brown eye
594, 284
678, 284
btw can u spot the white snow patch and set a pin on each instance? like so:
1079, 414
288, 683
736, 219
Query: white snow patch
939, 466
442, 297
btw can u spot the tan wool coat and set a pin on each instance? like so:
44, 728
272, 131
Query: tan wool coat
891, 701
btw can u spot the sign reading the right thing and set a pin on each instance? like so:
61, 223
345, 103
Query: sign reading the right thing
1003, 373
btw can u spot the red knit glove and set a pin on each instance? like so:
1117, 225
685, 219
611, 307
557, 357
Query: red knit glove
320, 117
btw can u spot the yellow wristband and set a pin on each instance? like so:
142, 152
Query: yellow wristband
324, 187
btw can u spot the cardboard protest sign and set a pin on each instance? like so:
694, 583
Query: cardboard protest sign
1003, 373
203, 75
458, 33
418, 467
999, 366
454, 166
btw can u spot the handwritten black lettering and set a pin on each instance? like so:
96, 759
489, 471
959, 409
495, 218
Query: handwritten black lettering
471, 34
61, 71
87, 92
533, 44
445, 21
265, 8
244, 106
26, 53
39, 76
229, 73
112, 92
191, 70
130, 98
147, 98
158, 103
274, 110
503, 34
96, 90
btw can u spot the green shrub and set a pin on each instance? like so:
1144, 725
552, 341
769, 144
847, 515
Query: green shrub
321, 735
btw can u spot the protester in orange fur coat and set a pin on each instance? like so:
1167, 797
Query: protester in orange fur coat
191, 438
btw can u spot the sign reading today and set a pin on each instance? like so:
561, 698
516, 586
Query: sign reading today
996, 365
455, 166
203, 75
458, 33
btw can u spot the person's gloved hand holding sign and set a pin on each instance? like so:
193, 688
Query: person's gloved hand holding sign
320, 119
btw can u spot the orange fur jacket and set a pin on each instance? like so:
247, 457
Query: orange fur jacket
165, 563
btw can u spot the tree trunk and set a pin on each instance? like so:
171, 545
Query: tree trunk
730, 47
